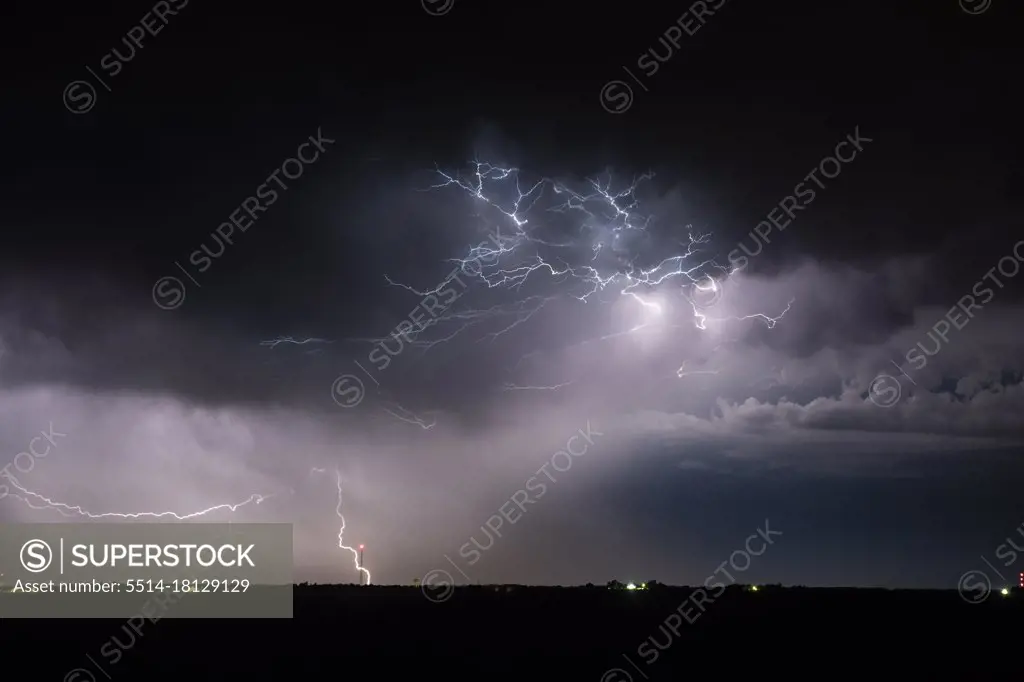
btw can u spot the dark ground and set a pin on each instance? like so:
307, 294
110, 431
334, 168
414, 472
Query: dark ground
533, 633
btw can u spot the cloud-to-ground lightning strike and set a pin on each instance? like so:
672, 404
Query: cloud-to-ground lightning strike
39, 502
341, 531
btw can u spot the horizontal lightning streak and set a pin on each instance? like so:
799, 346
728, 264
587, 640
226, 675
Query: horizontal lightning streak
70, 511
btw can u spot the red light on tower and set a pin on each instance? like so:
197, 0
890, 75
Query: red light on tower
361, 564
1022, 578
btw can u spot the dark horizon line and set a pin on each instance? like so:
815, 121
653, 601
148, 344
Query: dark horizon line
656, 585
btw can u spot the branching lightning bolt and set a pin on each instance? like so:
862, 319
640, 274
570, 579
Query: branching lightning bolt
550, 240
592, 241
38, 502
683, 372
274, 343
402, 414
516, 387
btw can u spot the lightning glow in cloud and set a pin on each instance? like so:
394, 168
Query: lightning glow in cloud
579, 243
549, 241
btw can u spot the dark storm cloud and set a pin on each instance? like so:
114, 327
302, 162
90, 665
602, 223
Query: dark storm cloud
763, 402
184, 412
835, 324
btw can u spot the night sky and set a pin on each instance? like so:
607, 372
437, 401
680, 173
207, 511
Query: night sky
722, 252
